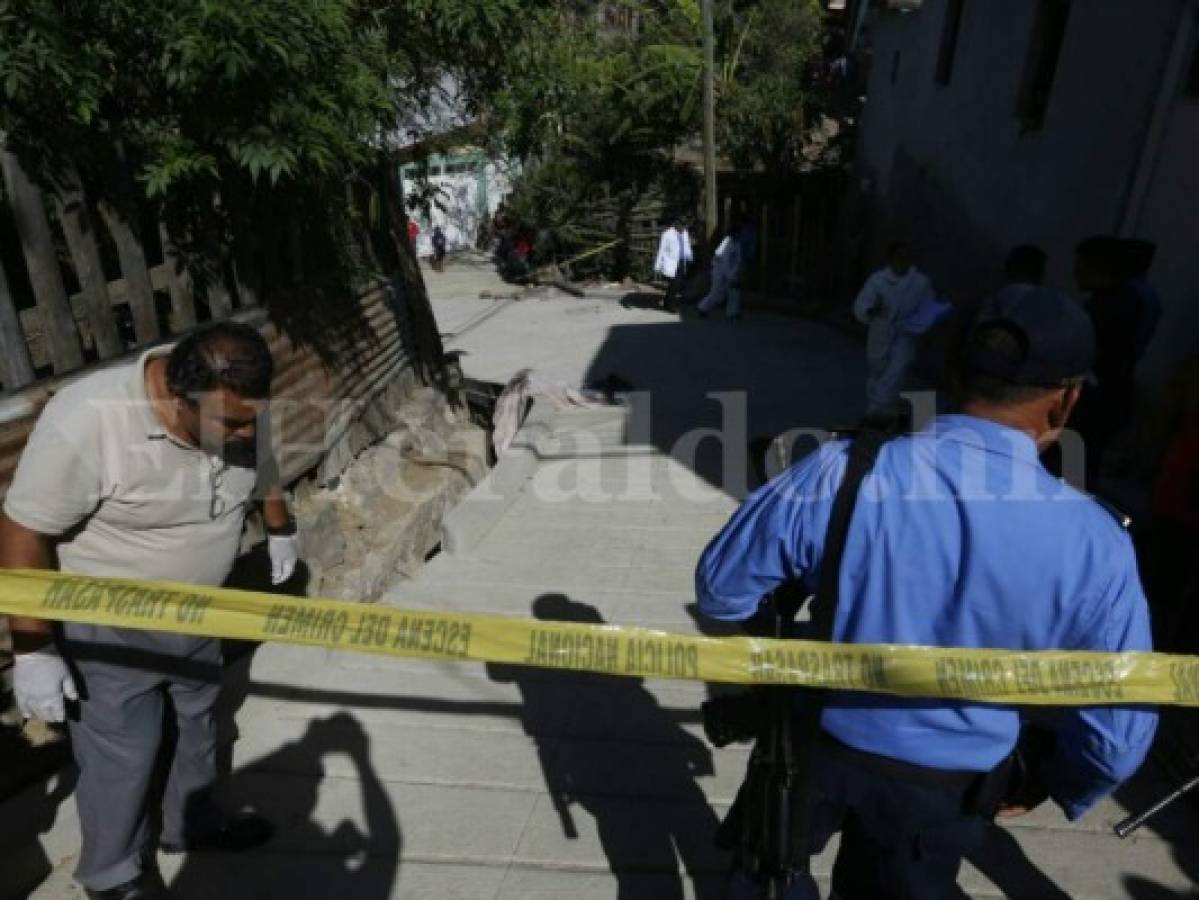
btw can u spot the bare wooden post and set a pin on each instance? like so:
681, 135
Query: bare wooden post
16, 368
80, 232
138, 289
37, 243
183, 307
709, 132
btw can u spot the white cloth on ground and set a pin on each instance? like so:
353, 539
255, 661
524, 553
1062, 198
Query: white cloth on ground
513, 403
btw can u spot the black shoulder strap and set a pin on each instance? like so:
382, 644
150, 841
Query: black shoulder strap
798, 740
863, 453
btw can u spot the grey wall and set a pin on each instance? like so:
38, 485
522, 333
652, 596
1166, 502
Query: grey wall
1170, 217
954, 169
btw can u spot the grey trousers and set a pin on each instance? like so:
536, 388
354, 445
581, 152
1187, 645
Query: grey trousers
126, 680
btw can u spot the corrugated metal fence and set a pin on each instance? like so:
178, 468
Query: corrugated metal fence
312, 405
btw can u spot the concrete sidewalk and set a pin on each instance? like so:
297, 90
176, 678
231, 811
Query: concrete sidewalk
405, 779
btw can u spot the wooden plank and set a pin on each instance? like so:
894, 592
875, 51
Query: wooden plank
139, 291
37, 243
16, 368
183, 307
245, 276
220, 302
118, 289
80, 232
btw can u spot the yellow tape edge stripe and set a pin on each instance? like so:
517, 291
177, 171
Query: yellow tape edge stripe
1064, 678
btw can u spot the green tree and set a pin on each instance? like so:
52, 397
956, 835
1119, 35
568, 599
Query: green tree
232, 117
596, 114
767, 104
600, 116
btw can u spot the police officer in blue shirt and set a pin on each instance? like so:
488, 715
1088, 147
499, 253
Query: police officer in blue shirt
960, 538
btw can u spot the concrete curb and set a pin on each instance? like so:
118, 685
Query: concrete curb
480, 510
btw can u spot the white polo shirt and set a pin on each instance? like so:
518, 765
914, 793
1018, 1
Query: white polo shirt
127, 499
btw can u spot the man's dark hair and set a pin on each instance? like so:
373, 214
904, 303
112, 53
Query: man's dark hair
996, 339
223, 355
895, 248
1026, 263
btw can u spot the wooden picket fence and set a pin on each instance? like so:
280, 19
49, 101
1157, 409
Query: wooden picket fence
107, 317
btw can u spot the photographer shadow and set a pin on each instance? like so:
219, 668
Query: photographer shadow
304, 859
606, 747
1005, 864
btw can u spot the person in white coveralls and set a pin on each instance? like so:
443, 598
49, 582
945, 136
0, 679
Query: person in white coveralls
889, 297
726, 269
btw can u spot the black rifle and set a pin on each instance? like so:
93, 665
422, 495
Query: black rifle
767, 828
1125, 827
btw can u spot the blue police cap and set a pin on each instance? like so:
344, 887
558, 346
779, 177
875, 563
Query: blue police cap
1054, 333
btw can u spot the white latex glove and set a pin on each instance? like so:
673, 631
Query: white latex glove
284, 551
42, 684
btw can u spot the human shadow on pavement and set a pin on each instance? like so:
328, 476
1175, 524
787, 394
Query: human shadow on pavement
1177, 825
608, 749
24, 817
303, 861
1003, 861
707, 388
642, 300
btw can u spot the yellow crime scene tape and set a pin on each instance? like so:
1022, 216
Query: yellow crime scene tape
1057, 678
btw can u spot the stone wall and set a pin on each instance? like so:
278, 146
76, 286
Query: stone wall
381, 516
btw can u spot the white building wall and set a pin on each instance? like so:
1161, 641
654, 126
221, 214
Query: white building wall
465, 188
954, 169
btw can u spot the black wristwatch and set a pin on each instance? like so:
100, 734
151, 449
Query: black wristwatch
287, 530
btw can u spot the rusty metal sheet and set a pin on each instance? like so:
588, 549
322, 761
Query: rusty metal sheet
307, 391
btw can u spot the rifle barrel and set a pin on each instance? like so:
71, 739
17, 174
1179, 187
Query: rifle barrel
1126, 827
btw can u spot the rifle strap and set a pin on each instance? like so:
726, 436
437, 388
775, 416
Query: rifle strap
863, 453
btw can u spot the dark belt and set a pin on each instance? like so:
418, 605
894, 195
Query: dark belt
953, 780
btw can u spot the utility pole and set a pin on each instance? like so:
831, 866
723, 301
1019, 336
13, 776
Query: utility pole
710, 213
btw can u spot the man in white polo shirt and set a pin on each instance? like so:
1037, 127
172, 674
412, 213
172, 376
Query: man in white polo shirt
142, 471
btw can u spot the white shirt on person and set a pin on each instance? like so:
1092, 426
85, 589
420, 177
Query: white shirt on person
674, 248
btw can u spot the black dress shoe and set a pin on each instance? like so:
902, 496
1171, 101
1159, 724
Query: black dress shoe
238, 833
140, 888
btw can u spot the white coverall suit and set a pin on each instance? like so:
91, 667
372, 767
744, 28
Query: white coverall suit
886, 300
725, 266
